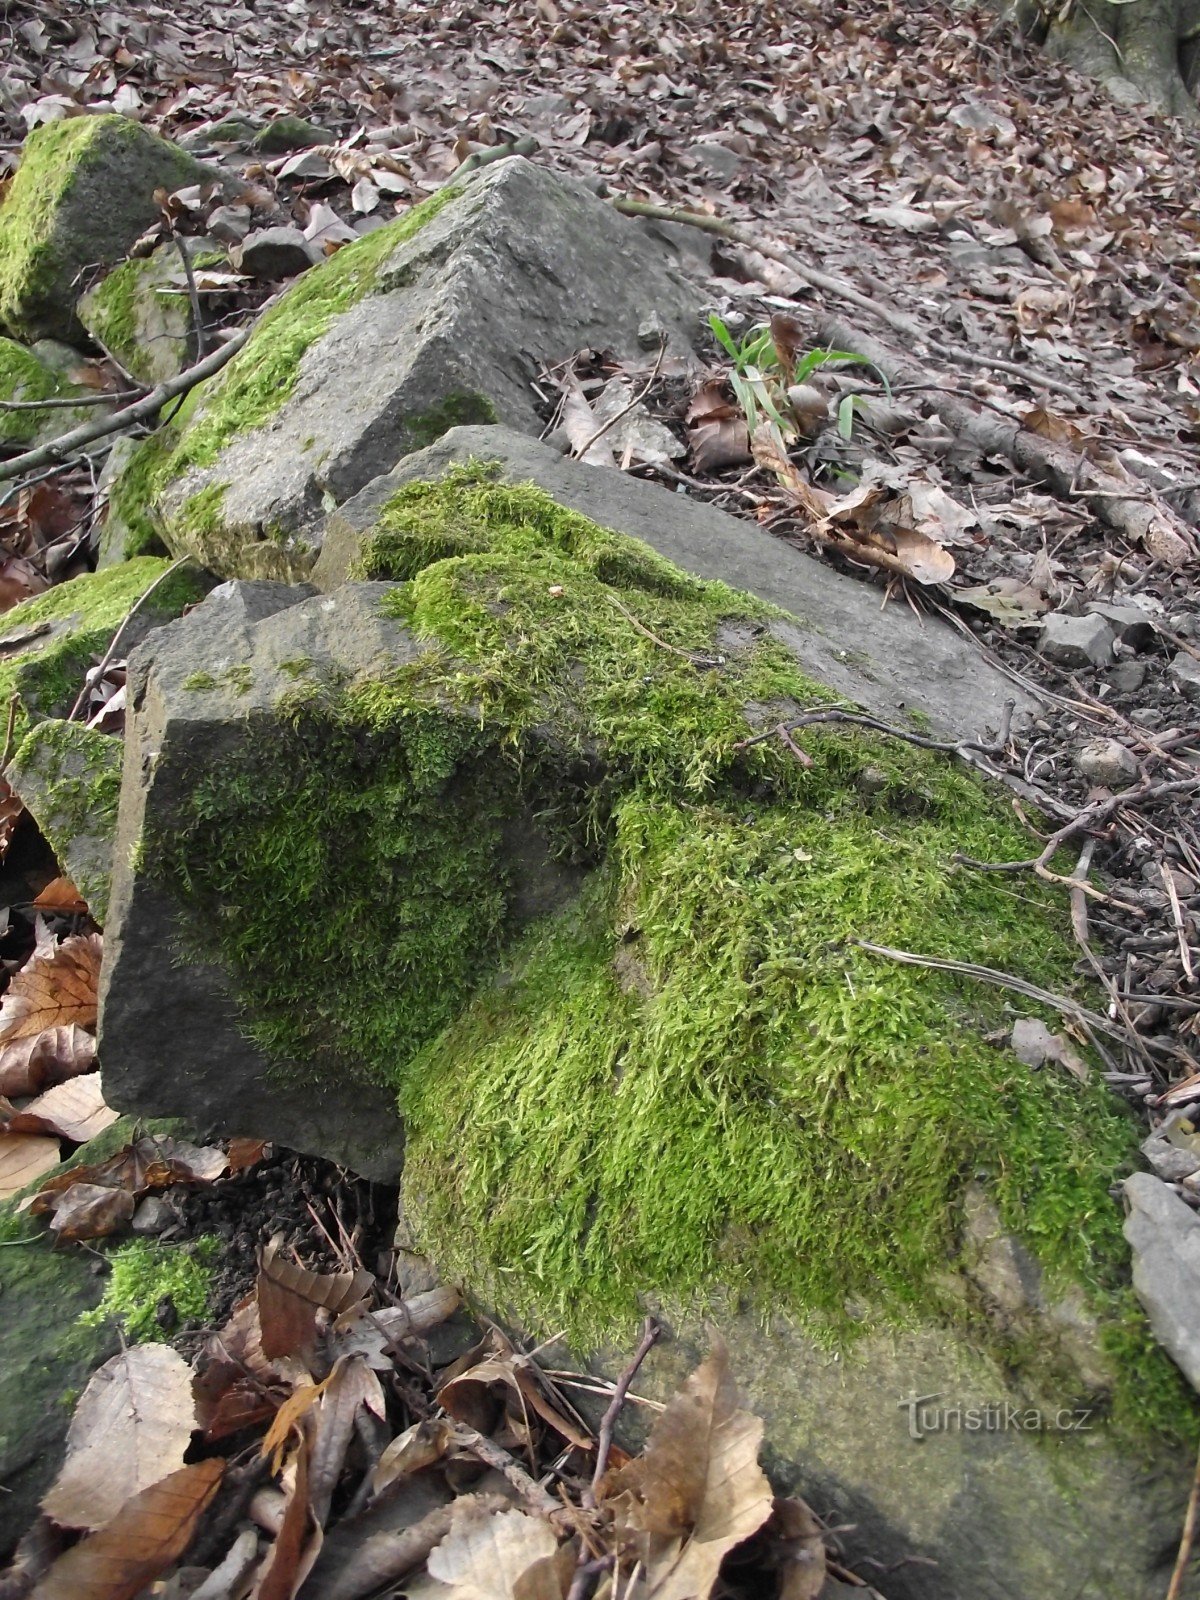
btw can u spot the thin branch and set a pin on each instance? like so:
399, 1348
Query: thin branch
98, 673
70, 405
58, 450
810, 719
1187, 1538
1007, 980
193, 296
651, 1333
625, 410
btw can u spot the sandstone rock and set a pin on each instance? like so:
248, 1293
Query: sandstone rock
1107, 762
26, 375
1077, 641
1164, 1234
83, 193
479, 837
275, 253
1185, 675
441, 317
141, 312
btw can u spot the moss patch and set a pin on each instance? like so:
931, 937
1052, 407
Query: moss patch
83, 615
694, 1077
69, 777
138, 314
144, 1275
131, 528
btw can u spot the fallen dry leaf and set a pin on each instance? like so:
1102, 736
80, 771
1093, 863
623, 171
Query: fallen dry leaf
717, 431
152, 1531
298, 1542
60, 894
130, 1430
73, 1110
290, 1298
697, 1491
507, 1555
55, 988
88, 1211
29, 1065
23, 1160
352, 1387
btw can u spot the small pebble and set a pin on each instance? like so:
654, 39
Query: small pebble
1107, 762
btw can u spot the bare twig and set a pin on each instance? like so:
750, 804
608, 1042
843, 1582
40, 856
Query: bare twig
58, 450
581, 453
1007, 980
494, 1455
693, 656
13, 707
193, 296
1187, 1538
70, 405
651, 1333
824, 714
97, 674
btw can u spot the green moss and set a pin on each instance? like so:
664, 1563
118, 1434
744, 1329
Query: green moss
282, 134
455, 411
297, 668
138, 315
131, 497
24, 377
48, 674
695, 1076
144, 1275
69, 777
261, 377
199, 680
239, 678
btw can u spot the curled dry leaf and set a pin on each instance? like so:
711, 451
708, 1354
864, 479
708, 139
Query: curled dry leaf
23, 1160
152, 1532
508, 1382
55, 988
352, 1387
130, 1429
73, 1110
717, 431
60, 894
298, 1542
698, 1490
12, 809
294, 1303
37, 1062
145, 1165
90, 1211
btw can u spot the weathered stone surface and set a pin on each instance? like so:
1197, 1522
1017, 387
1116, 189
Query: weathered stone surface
1077, 641
25, 375
1185, 675
275, 253
439, 318
84, 192
885, 660
142, 314
1107, 762
282, 134
1164, 1234
69, 778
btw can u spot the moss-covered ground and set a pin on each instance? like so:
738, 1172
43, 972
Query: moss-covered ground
23, 377
143, 1274
694, 1076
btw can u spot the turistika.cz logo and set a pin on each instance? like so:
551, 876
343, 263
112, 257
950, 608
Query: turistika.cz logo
927, 1414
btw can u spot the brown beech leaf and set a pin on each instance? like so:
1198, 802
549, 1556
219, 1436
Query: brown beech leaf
793, 1546
697, 1490
298, 1542
235, 1385
23, 1160
290, 1299
29, 1065
246, 1153
12, 809
717, 432
60, 894
502, 1377
352, 1387
18, 580
73, 1110
55, 988
89, 1211
130, 1429
154, 1529
504, 1555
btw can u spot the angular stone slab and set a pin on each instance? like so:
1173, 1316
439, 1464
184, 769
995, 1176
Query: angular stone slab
69, 778
39, 373
884, 659
83, 193
397, 338
141, 312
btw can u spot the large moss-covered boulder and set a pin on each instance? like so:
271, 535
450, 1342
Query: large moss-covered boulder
83, 193
141, 312
69, 779
483, 840
439, 318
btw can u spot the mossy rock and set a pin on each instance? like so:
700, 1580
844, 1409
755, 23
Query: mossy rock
69, 778
26, 376
129, 528
283, 134
141, 312
83, 193
427, 323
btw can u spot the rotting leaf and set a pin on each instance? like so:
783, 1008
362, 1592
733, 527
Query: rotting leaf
717, 431
89, 1211
130, 1429
508, 1381
298, 1542
55, 988
152, 1531
1011, 602
352, 1387
290, 1299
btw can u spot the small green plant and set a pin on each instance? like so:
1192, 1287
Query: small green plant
145, 1274
761, 373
